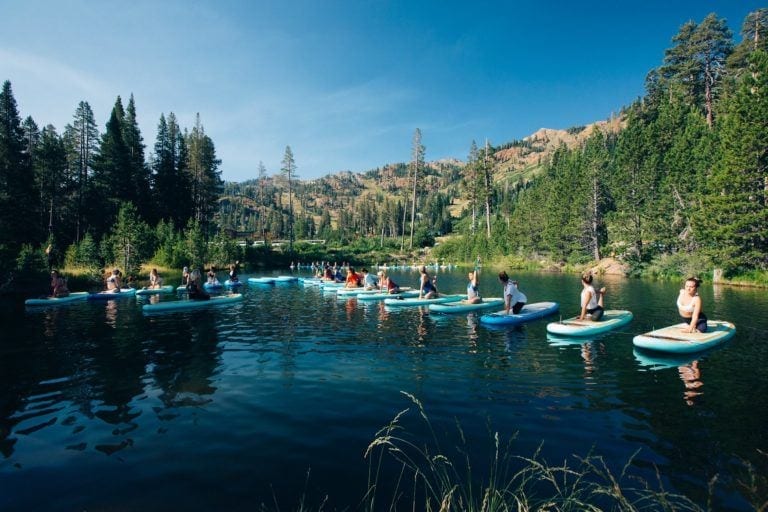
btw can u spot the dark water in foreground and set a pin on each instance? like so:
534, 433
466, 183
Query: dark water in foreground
102, 407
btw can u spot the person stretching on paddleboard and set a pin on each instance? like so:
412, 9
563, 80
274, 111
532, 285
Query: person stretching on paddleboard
514, 299
370, 281
592, 307
473, 291
233, 273
387, 284
689, 306
58, 285
427, 288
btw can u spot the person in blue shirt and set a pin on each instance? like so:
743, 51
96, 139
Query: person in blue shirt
370, 281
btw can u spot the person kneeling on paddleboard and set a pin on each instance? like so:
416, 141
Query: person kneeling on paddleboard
689, 306
514, 299
592, 306
194, 289
113, 282
58, 285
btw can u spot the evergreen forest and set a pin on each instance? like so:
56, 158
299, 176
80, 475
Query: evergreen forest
675, 183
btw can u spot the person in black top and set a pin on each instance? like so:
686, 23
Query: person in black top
194, 288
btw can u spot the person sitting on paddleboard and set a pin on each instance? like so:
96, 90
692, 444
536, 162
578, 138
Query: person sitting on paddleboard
689, 306
514, 299
592, 307
427, 288
387, 284
212, 276
194, 289
473, 291
155, 281
353, 278
233, 273
113, 281
369, 280
58, 285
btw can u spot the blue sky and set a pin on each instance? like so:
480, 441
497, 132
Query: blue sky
345, 84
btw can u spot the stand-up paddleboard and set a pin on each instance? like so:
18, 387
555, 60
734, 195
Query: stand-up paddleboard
612, 318
407, 294
673, 339
232, 284
56, 301
286, 279
123, 293
310, 281
464, 307
186, 305
332, 284
528, 313
361, 291
154, 291
416, 301
212, 287
261, 280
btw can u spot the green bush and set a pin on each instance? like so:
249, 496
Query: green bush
31, 261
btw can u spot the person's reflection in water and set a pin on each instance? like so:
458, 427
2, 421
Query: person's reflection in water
587, 354
50, 322
350, 306
472, 331
590, 351
691, 377
422, 331
383, 313
111, 313
514, 336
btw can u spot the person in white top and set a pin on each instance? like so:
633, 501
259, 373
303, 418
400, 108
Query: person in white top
113, 281
689, 307
592, 306
514, 299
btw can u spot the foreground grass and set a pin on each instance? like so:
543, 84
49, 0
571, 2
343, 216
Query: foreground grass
430, 479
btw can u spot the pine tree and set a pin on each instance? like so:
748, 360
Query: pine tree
139, 172
203, 168
111, 181
417, 163
288, 169
697, 61
50, 163
17, 190
81, 139
487, 188
262, 202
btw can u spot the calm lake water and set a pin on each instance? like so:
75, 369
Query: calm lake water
277, 397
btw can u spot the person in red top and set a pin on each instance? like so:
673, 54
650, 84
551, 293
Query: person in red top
353, 279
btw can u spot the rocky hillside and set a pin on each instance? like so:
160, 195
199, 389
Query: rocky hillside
512, 162
523, 159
